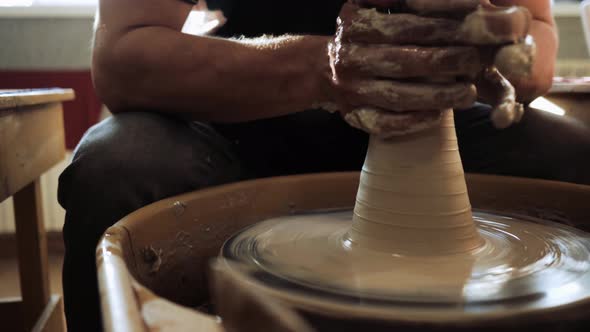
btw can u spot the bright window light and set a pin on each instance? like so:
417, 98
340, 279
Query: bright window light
48, 3
65, 2
199, 23
545, 105
13, 3
202, 21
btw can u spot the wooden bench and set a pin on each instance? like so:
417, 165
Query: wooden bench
32, 140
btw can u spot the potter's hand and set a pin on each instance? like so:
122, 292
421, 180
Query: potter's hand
387, 87
514, 61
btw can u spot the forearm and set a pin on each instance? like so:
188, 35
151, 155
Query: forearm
210, 79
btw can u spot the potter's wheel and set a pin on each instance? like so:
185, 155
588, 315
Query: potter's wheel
413, 249
310, 262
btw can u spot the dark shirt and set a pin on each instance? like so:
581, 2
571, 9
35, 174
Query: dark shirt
291, 137
257, 17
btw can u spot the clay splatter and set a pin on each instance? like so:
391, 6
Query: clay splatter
179, 208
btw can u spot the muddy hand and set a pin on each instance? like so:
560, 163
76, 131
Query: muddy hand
447, 7
482, 25
384, 82
511, 63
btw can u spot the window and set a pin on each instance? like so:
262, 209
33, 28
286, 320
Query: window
48, 8
48, 3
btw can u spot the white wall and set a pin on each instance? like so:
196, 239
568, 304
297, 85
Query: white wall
46, 40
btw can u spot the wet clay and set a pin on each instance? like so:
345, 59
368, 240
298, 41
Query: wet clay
384, 125
484, 26
413, 239
412, 248
412, 197
516, 259
489, 37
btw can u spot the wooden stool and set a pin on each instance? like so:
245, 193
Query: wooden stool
32, 140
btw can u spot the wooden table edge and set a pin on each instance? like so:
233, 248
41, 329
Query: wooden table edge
19, 98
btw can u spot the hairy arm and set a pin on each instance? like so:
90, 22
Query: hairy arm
141, 60
545, 34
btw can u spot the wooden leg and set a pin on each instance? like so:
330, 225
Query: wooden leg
32, 252
52, 319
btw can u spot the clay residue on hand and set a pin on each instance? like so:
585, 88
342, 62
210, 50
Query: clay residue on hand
484, 26
389, 124
502, 97
410, 61
405, 96
496, 27
369, 25
516, 61
449, 7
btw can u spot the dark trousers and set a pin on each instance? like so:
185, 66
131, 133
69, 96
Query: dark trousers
133, 159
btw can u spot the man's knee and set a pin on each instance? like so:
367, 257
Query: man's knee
133, 159
122, 164
536, 147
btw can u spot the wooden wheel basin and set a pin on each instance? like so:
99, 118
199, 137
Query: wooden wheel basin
153, 265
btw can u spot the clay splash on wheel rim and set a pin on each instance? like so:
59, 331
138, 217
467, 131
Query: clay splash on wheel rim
413, 249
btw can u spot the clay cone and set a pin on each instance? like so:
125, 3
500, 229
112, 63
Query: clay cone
412, 198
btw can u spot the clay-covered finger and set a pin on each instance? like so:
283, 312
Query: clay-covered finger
442, 6
450, 7
487, 26
482, 27
518, 112
516, 61
387, 125
404, 96
411, 61
506, 111
379, 3
360, 25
